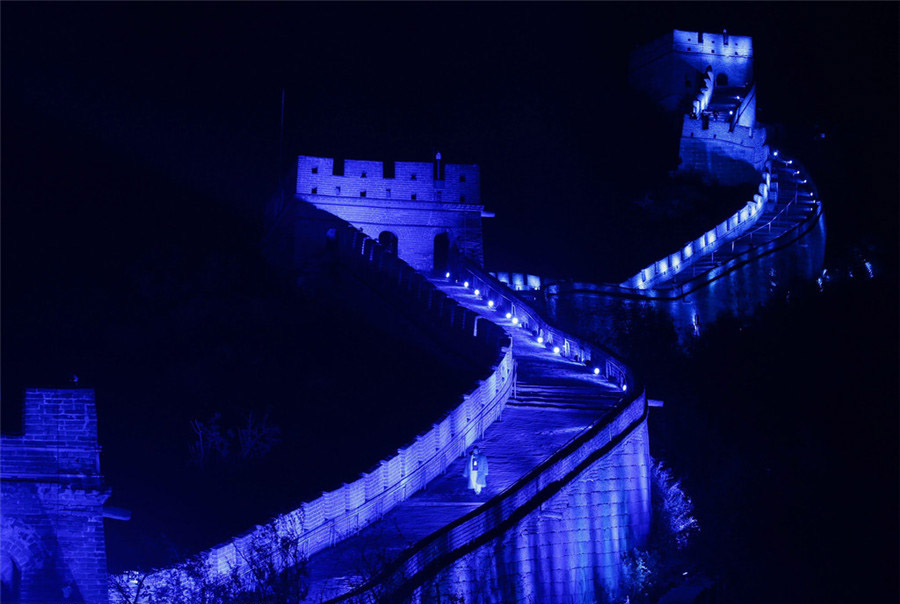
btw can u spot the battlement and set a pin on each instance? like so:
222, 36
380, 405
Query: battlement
672, 68
399, 181
422, 211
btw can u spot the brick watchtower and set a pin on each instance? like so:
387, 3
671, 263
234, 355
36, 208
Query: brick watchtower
53, 547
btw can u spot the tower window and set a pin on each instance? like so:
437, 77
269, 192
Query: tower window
462, 178
363, 175
412, 177
413, 196
315, 170
362, 193
315, 191
462, 198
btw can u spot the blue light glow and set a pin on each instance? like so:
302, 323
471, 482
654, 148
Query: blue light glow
447, 276
491, 303
624, 387
477, 292
775, 153
596, 371
465, 284
556, 349
515, 320
540, 339
509, 315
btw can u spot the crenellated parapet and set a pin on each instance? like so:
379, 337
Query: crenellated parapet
423, 210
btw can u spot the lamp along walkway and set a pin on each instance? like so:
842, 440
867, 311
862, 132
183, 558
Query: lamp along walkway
555, 399
792, 204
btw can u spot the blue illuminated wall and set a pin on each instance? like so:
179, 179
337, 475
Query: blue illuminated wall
708, 80
53, 544
570, 548
417, 202
671, 68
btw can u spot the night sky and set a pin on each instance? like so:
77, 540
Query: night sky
132, 130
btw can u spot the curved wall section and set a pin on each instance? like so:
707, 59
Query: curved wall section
335, 515
558, 531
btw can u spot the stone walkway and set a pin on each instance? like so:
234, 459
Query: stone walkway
556, 399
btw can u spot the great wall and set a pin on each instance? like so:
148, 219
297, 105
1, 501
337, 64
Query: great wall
560, 511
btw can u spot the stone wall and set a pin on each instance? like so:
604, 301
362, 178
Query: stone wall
721, 152
337, 514
569, 548
53, 544
560, 529
707, 243
671, 68
412, 205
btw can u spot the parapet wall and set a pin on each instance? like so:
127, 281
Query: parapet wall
598, 483
671, 68
338, 514
707, 243
727, 154
53, 544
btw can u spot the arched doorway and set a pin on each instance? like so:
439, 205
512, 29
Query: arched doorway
389, 241
10, 580
441, 253
722, 80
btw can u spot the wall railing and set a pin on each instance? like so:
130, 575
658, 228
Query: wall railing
399, 579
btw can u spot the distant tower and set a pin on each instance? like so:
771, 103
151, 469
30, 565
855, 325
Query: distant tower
53, 547
708, 79
423, 211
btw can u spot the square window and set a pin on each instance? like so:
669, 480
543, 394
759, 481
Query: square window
362, 193
413, 196
363, 175
315, 191
462, 178
387, 192
462, 198
337, 190
315, 170
412, 177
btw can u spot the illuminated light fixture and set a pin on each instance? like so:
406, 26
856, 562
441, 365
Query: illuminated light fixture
491, 303
477, 292
803, 182
688, 250
624, 387
556, 350
789, 162
465, 284
515, 320
775, 153
447, 276
540, 339
730, 112
596, 371
509, 315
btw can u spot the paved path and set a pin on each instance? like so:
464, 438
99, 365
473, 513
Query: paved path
556, 399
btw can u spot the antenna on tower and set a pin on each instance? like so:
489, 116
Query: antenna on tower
281, 152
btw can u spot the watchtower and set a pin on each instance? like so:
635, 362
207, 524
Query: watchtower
707, 79
53, 547
422, 211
